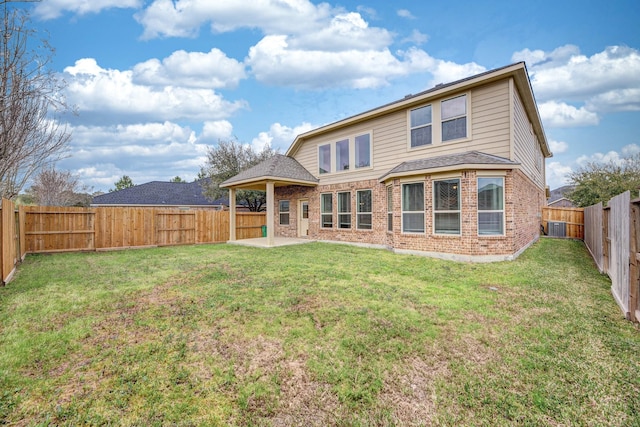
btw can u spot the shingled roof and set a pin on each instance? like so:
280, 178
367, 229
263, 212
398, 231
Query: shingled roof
475, 158
278, 167
157, 193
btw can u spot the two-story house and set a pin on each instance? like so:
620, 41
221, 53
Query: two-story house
457, 171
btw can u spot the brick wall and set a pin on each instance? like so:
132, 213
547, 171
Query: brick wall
522, 206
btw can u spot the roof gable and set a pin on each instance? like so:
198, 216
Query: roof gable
277, 167
517, 71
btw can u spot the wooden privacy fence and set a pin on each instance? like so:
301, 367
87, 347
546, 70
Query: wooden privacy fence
11, 251
571, 220
612, 235
38, 229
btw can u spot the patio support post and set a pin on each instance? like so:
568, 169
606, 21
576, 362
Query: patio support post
232, 214
270, 209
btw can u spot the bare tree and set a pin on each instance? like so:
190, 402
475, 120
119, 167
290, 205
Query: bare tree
58, 188
30, 98
226, 160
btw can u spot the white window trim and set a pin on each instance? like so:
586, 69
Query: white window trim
459, 211
358, 213
466, 114
333, 144
410, 128
402, 211
389, 208
326, 213
504, 228
350, 212
436, 123
331, 158
281, 212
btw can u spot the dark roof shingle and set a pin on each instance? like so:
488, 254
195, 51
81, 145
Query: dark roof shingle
278, 166
159, 193
448, 160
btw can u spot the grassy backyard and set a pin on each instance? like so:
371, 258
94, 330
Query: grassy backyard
316, 334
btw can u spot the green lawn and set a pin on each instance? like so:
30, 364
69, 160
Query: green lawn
316, 334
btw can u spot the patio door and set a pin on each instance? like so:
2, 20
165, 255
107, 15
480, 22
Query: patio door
303, 218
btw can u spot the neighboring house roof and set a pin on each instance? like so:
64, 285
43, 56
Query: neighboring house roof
157, 193
276, 168
559, 193
517, 71
467, 160
562, 202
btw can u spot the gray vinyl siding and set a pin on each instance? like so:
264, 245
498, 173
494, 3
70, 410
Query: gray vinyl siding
488, 130
526, 146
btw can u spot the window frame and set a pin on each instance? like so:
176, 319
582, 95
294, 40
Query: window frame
437, 211
389, 208
324, 213
355, 150
346, 142
502, 211
421, 212
346, 213
286, 212
465, 115
412, 127
360, 214
320, 159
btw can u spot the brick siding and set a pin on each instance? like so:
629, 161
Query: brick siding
523, 202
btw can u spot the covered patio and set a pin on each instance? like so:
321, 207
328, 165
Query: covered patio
277, 171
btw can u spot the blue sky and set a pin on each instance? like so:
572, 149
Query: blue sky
157, 82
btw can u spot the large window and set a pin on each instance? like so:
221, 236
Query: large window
363, 151
344, 210
390, 208
490, 206
284, 212
364, 208
342, 155
421, 126
454, 118
326, 210
413, 208
324, 158
446, 206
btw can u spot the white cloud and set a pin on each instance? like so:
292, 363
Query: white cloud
183, 18
344, 32
558, 147
404, 13
211, 70
105, 93
273, 61
443, 71
214, 131
606, 81
554, 114
557, 174
51, 9
145, 151
416, 37
279, 137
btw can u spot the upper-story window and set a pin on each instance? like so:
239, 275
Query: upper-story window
363, 150
421, 126
345, 154
324, 158
454, 118
342, 155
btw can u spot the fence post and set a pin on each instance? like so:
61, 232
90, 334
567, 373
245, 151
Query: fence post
634, 261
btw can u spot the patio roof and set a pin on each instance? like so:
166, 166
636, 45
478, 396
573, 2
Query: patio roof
280, 169
467, 160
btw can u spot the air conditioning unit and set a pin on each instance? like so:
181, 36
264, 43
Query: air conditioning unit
557, 229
